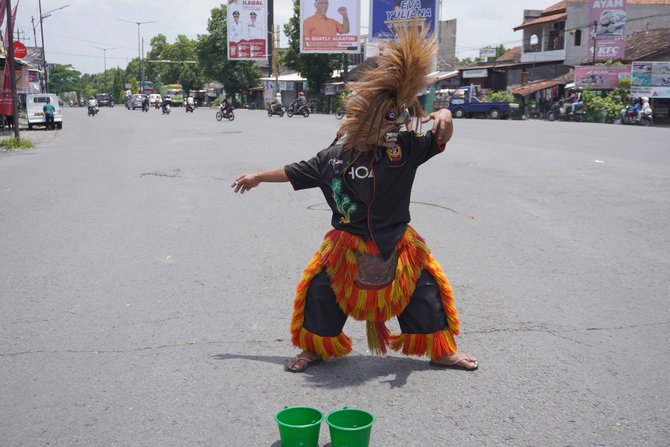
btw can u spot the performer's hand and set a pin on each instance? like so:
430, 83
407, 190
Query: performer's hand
342, 10
245, 182
443, 127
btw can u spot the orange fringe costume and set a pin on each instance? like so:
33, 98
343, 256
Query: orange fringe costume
337, 255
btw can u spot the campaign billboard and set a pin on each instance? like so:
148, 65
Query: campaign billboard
608, 29
247, 30
650, 79
385, 14
601, 77
330, 26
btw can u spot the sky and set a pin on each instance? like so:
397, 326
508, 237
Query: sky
92, 35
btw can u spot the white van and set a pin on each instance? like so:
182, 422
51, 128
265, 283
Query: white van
34, 104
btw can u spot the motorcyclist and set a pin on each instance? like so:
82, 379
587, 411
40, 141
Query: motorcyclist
92, 103
300, 101
576, 99
635, 109
166, 101
645, 108
145, 102
190, 103
227, 106
275, 104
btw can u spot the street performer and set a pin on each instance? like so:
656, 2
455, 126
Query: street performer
372, 265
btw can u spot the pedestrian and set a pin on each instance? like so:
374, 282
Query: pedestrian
372, 265
49, 114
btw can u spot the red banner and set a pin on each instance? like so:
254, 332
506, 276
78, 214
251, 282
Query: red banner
6, 102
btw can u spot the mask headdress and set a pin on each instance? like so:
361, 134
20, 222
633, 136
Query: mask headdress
391, 87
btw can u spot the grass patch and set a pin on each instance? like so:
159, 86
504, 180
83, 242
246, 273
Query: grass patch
15, 143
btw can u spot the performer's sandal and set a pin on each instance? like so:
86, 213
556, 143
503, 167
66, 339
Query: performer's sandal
457, 362
300, 363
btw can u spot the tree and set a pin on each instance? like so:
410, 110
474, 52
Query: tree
236, 76
64, 78
500, 50
317, 68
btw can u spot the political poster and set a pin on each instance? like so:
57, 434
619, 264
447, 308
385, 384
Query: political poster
247, 30
608, 29
329, 26
385, 14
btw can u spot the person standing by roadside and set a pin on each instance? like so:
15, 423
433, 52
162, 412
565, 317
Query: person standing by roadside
49, 114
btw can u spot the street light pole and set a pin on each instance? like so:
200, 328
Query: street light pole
139, 51
44, 57
104, 73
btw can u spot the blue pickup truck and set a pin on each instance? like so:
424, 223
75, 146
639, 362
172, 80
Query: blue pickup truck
464, 104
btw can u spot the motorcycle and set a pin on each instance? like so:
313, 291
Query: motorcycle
275, 110
339, 113
560, 110
145, 107
225, 112
92, 110
629, 116
295, 109
166, 109
189, 108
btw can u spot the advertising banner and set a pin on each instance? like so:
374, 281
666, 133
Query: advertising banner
608, 29
650, 79
385, 14
327, 27
599, 77
247, 30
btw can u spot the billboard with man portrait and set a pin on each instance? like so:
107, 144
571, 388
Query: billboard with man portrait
247, 30
329, 26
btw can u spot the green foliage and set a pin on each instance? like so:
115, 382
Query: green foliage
14, 143
64, 78
499, 96
212, 54
604, 108
317, 68
500, 50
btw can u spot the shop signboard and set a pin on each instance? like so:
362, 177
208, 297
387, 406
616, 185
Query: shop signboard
650, 79
608, 29
601, 77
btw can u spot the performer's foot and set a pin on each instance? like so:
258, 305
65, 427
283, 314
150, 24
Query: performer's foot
456, 361
302, 361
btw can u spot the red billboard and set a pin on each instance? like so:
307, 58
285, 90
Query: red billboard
608, 29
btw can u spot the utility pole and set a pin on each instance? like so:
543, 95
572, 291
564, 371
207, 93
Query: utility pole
12, 73
595, 41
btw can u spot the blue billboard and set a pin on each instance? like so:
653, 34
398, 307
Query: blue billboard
384, 14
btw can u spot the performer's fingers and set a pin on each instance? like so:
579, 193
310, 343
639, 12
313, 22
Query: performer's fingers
428, 118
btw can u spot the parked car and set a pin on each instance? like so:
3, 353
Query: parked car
34, 105
104, 100
136, 102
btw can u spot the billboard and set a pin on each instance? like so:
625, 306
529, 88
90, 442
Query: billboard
247, 30
384, 14
330, 27
608, 29
600, 77
650, 79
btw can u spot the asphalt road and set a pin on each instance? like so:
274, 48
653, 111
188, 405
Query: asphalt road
142, 303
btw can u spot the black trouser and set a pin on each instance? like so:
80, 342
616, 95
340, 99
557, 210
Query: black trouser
423, 315
49, 122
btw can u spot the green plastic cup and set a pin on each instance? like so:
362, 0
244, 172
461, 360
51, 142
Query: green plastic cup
350, 427
299, 426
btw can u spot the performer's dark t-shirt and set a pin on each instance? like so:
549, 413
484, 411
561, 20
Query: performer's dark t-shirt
368, 192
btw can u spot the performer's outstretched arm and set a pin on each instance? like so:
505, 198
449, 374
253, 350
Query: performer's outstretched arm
245, 182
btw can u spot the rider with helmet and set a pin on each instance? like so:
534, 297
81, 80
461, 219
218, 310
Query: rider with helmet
275, 104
